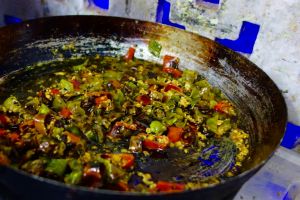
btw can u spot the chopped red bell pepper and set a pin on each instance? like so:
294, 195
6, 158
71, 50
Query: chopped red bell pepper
4, 159
3, 132
73, 138
124, 160
127, 160
39, 123
122, 186
174, 133
130, 53
40, 93
100, 99
25, 125
164, 186
76, 84
65, 112
222, 107
92, 176
4, 120
54, 91
115, 130
126, 125
14, 137
159, 143
116, 84
172, 87
175, 72
144, 99
170, 61
135, 144
170, 64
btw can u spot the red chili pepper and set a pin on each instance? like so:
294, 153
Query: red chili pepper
172, 87
144, 99
164, 186
54, 91
174, 133
159, 143
76, 84
65, 112
130, 53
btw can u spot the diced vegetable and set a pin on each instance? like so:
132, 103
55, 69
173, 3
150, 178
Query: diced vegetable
224, 107
44, 110
144, 100
130, 53
65, 112
212, 124
65, 85
76, 84
73, 138
123, 160
175, 72
58, 103
154, 48
81, 66
54, 91
172, 87
157, 127
39, 123
164, 186
156, 143
73, 178
12, 104
174, 133
57, 166
4, 120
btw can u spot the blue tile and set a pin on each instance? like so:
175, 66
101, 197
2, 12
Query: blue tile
8, 19
246, 40
103, 4
212, 1
163, 13
292, 134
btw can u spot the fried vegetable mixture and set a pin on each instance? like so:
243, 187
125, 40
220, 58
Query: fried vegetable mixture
121, 124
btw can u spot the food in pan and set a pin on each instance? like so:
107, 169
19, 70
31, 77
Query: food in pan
120, 124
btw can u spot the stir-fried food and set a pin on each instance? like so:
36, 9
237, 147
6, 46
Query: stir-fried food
113, 123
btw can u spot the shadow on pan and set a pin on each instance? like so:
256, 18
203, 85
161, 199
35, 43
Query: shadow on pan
259, 101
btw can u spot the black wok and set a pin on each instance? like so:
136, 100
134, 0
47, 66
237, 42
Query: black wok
260, 103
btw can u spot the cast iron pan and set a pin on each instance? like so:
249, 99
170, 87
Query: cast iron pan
260, 103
